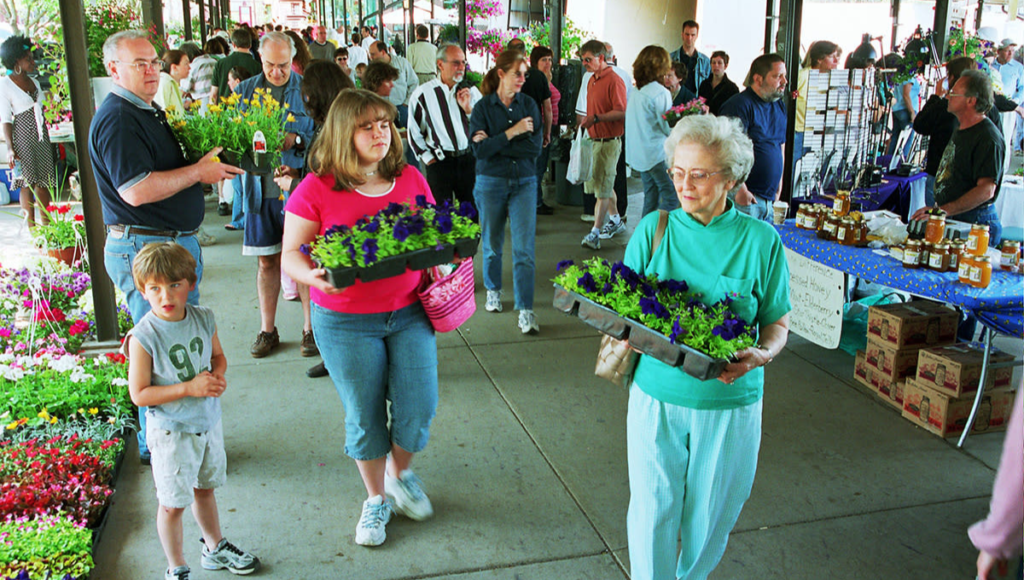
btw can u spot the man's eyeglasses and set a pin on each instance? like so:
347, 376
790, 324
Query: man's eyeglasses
456, 63
143, 66
697, 176
951, 94
278, 67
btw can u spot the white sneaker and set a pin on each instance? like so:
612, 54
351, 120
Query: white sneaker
592, 241
611, 229
376, 514
406, 491
493, 301
204, 238
528, 322
587, 217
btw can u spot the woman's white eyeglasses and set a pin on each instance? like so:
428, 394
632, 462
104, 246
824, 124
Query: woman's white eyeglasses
697, 176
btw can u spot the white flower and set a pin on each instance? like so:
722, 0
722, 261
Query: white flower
11, 373
119, 382
6, 357
68, 362
79, 375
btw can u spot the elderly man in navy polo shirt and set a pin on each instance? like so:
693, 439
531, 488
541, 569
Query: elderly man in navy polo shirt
148, 191
264, 217
763, 115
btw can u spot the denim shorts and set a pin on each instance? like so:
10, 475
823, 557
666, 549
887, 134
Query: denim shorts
378, 358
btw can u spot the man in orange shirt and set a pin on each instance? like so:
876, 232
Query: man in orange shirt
605, 123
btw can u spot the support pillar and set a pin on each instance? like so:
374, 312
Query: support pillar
462, 24
152, 13
186, 12
789, 37
72, 15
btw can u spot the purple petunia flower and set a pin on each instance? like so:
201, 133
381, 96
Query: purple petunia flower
371, 226
678, 332
607, 288
421, 200
370, 251
730, 328
652, 306
675, 285
393, 209
443, 221
648, 290
563, 265
305, 249
587, 282
466, 210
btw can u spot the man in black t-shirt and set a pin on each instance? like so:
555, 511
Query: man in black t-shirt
972, 164
536, 87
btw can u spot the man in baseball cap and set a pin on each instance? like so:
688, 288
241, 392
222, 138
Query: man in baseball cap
1012, 73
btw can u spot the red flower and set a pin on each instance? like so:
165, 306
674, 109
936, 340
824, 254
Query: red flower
78, 327
117, 357
63, 209
79, 217
51, 208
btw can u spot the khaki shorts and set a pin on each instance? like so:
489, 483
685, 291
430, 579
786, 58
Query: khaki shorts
183, 462
605, 159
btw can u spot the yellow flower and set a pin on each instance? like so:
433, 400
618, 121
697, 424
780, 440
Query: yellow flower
290, 118
43, 414
81, 411
286, 105
252, 123
12, 425
53, 420
280, 197
237, 120
216, 109
111, 420
93, 410
215, 159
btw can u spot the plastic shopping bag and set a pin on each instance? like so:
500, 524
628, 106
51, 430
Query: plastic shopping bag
580, 158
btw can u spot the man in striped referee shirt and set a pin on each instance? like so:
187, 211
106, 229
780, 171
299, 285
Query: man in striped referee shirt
439, 127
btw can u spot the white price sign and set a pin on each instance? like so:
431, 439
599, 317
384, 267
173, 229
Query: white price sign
817, 293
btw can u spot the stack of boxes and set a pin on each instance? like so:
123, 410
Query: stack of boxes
912, 363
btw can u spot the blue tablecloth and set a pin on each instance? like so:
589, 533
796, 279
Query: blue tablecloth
1000, 306
893, 194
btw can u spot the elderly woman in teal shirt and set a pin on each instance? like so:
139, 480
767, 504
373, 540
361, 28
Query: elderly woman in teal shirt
693, 444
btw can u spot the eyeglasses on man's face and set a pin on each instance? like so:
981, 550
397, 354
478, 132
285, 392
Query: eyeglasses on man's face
143, 66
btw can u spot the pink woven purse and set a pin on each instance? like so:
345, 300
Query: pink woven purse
449, 301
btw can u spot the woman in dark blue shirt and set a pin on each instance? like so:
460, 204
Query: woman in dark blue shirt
507, 135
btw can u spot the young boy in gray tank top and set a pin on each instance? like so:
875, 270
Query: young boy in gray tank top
176, 368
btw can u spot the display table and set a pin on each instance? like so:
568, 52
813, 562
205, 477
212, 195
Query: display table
1000, 307
901, 195
1010, 206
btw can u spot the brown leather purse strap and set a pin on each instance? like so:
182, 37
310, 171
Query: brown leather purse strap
660, 232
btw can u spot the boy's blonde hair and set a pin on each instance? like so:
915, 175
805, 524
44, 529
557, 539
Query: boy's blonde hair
165, 261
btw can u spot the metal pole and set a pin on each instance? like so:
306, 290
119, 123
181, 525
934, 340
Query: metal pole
770, 21
556, 24
791, 32
202, 21
153, 13
226, 12
894, 12
72, 15
462, 24
186, 14
941, 25
344, 21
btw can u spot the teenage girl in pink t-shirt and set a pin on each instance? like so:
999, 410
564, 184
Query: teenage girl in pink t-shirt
375, 338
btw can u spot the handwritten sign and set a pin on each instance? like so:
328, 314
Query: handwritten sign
818, 294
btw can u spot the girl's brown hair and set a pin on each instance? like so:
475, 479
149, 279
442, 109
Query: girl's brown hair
171, 57
302, 54
334, 151
508, 61
651, 65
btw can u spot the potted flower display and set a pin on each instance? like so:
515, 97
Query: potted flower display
50, 546
661, 318
250, 131
695, 107
63, 235
383, 245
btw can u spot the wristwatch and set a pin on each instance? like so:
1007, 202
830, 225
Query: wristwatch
299, 143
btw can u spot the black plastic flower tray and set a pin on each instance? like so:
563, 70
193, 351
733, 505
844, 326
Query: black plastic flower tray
250, 165
466, 247
695, 363
430, 257
384, 268
341, 277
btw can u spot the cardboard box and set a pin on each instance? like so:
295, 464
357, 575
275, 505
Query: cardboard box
946, 416
919, 324
894, 364
893, 393
956, 369
861, 370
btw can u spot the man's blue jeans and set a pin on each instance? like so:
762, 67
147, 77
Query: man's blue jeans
501, 199
659, 193
542, 167
761, 209
118, 257
239, 205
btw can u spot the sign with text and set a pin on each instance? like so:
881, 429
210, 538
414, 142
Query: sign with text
818, 294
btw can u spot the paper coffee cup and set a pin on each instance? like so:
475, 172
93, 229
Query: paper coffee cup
780, 208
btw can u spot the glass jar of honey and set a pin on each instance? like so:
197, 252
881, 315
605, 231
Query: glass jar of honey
1009, 257
801, 218
926, 253
831, 227
936, 228
842, 203
912, 254
956, 250
963, 273
845, 234
977, 241
981, 272
938, 260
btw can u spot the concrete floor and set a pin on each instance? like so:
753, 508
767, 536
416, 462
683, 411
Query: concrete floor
526, 465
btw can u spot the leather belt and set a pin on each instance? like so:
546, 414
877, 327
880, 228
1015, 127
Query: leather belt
123, 229
465, 151
606, 139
